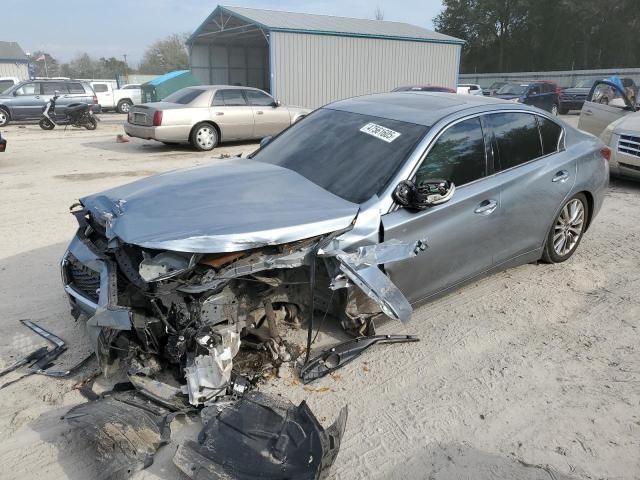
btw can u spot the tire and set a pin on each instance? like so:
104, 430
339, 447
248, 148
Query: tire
563, 111
204, 137
46, 124
4, 117
554, 109
124, 106
567, 230
91, 124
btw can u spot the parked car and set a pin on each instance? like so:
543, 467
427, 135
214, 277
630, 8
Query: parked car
609, 113
469, 89
7, 82
573, 98
391, 199
424, 88
537, 94
118, 99
26, 100
493, 88
206, 115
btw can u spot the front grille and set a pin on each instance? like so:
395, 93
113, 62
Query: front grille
630, 145
83, 279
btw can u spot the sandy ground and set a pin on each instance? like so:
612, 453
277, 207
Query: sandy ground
533, 373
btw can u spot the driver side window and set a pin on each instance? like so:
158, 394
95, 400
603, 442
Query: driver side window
458, 155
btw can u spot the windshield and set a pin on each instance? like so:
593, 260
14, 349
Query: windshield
496, 85
586, 83
512, 89
184, 96
351, 155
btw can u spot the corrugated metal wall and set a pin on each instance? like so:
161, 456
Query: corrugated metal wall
222, 65
312, 70
10, 69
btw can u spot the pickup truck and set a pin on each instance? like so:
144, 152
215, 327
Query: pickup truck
118, 99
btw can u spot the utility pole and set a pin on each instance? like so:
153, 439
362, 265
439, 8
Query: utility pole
125, 60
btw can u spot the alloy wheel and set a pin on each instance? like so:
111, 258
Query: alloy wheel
4, 118
124, 107
205, 137
568, 227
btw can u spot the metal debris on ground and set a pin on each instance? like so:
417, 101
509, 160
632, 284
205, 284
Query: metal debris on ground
339, 355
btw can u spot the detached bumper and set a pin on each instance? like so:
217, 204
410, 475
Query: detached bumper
162, 134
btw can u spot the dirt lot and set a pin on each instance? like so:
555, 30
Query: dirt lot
533, 373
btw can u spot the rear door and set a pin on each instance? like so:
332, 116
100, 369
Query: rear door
232, 113
535, 174
605, 104
104, 94
461, 233
49, 89
27, 102
269, 119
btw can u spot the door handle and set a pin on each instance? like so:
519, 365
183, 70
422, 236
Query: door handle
588, 113
562, 176
259, 112
487, 207
38, 97
219, 113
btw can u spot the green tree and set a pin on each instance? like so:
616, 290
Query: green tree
166, 55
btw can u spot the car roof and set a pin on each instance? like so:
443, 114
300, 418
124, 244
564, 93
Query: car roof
422, 108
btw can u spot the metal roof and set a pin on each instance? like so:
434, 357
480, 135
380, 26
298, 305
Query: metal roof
280, 21
12, 51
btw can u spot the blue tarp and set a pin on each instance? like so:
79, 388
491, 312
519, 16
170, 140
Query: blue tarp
166, 76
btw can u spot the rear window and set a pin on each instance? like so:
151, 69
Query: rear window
184, 96
517, 137
75, 87
50, 88
100, 87
551, 133
229, 98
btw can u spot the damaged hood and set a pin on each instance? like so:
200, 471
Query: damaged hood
226, 206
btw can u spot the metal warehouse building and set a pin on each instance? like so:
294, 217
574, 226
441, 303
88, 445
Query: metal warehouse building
13, 61
310, 60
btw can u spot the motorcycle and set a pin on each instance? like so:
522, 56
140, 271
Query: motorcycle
77, 115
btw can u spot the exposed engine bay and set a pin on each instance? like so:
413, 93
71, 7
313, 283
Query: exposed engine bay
187, 315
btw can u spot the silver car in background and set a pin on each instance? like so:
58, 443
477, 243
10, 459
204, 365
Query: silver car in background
206, 115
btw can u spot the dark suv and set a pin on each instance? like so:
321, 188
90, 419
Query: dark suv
541, 94
26, 100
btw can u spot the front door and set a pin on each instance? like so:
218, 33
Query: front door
104, 94
270, 119
461, 234
535, 175
232, 114
605, 104
27, 102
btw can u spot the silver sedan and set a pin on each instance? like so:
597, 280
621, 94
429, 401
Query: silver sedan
206, 115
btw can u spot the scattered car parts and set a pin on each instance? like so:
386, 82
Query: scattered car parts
339, 355
125, 430
262, 437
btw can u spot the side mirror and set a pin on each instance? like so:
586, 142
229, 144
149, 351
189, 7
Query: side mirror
276, 103
265, 141
427, 194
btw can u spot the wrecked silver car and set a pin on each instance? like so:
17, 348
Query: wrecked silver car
362, 209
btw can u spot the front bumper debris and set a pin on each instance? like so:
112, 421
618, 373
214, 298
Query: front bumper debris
262, 437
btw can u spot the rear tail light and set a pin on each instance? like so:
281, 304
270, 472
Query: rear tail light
157, 118
606, 153
95, 99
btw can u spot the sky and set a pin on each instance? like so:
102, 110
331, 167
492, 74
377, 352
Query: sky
112, 28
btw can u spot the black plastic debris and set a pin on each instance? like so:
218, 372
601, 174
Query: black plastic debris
341, 354
262, 437
125, 430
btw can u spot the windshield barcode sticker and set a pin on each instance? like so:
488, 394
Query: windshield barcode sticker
380, 132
